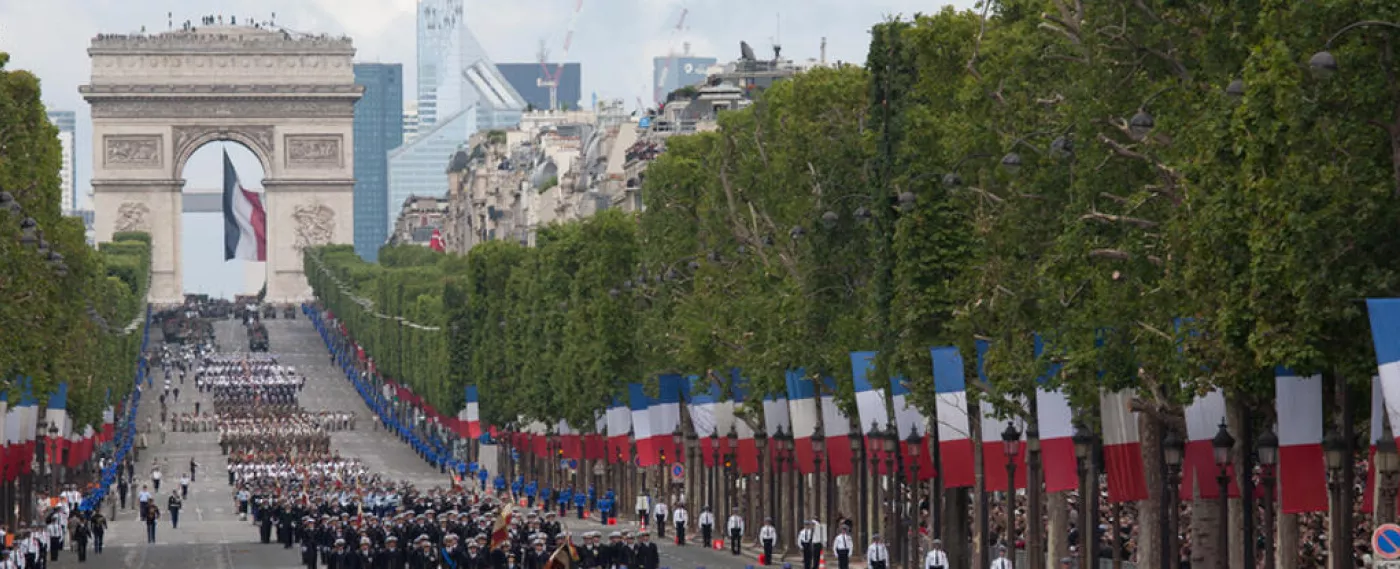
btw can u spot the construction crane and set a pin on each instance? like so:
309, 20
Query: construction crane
671, 57
551, 79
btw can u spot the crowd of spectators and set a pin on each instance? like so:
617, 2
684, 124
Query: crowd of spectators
1312, 528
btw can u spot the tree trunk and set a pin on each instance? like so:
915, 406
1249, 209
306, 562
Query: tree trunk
980, 552
1149, 538
1056, 539
1243, 446
957, 503
1286, 544
1205, 531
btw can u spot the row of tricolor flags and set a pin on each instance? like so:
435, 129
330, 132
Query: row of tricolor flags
21, 436
714, 411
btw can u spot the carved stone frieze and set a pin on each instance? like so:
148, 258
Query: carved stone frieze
315, 223
233, 107
131, 151
189, 137
314, 150
133, 216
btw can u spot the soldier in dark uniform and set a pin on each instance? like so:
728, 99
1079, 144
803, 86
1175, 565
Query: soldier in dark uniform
472, 559
338, 556
537, 557
363, 558
307, 538
423, 556
645, 554
265, 524
286, 522
392, 556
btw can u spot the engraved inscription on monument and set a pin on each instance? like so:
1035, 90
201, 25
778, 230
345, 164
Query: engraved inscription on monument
315, 151
131, 151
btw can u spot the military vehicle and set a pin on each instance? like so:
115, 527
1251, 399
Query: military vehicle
257, 337
289, 312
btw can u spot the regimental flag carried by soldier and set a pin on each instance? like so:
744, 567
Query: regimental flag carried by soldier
500, 533
566, 557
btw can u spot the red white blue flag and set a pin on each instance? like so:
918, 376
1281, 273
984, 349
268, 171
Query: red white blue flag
245, 221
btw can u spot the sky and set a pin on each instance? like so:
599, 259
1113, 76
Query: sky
614, 40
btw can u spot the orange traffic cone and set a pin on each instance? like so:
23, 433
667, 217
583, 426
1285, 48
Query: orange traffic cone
821, 561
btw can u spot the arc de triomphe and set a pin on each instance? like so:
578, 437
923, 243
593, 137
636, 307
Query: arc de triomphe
288, 98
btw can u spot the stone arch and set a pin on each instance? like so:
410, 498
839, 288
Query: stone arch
257, 139
289, 99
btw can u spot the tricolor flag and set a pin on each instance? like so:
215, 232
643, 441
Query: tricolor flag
870, 405
619, 419
57, 418
993, 449
654, 420
245, 221
14, 439
775, 417
802, 402
1385, 335
109, 420
29, 421
595, 443
747, 454
1198, 468
1302, 471
837, 428
471, 414
954, 431
907, 418
4, 436
1377, 431
1056, 424
1122, 448
702, 399
570, 441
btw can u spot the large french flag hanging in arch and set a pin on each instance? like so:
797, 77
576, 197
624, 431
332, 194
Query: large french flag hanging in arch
245, 220
954, 431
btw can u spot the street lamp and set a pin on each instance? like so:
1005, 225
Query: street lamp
1011, 446
1083, 440
760, 438
1223, 444
915, 443
28, 232
1387, 464
1033, 487
1173, 451
731, 451
819, 451
1267, 450
1323, 63
890, 444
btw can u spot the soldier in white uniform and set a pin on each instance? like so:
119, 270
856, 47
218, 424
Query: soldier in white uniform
736, 532
679, 516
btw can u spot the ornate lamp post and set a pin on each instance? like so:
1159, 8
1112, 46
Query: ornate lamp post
1334, 450
1173, 451
1084, 454
861, 529
677, 447
890, 445
714, 470
1387, 466
819, 452
1035, 480
1011, 446
915, 444
1266, 448
692, 446
729, 466
765, 469
1223, 444
875, 502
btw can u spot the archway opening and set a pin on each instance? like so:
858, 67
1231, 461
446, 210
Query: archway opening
205, 271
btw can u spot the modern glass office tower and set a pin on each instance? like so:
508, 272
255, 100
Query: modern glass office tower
379, 129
